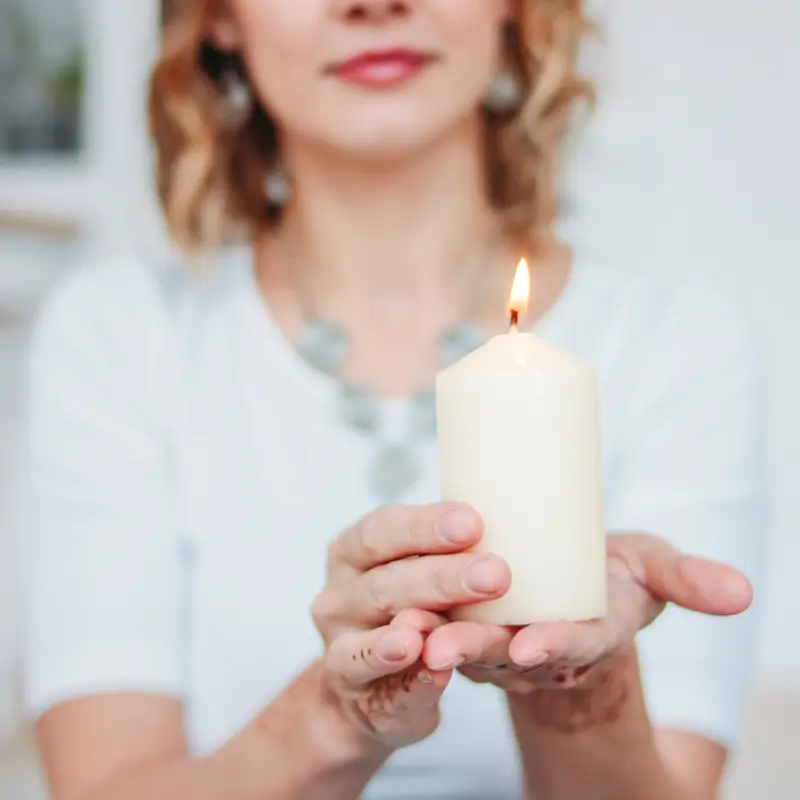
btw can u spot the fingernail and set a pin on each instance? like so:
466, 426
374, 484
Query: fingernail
482, 578
450, 663
424, 676
534, 660
390, 650
457, 526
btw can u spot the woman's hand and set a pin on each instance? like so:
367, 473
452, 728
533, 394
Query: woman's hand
644, 574
387, 576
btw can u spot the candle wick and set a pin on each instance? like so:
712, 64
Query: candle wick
513, 319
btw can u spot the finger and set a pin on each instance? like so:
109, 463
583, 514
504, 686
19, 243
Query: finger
463, 642
422, 688
359, 657
329, 615
630, 608
703, 585
691, 582
569, 643
433, 583
395, 532
423, 621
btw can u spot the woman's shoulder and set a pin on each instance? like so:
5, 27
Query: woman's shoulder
109, 289
669, 311
96, 344
125, 302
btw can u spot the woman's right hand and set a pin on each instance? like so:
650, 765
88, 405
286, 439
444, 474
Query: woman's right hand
390, 577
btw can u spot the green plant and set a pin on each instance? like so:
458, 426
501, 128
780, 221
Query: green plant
62, 84
66, 83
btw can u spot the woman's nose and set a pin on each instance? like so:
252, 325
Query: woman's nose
372, 11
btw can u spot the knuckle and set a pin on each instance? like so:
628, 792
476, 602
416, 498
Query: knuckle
324, 609
440, 586
368, 537
379, 595
376, 529
391, 516
393, 519
411, 617
648, 537
331, 661
333, 554
397, 521
422, 526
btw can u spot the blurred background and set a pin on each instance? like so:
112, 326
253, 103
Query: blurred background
690, 166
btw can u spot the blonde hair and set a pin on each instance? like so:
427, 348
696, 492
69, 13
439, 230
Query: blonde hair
210, 175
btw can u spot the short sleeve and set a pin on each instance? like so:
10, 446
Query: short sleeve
692, 471
101, 565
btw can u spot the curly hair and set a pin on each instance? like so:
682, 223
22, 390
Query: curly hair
210, 175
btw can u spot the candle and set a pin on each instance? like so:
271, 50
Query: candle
518, 440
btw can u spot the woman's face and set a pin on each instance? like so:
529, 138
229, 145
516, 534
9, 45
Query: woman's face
379, 77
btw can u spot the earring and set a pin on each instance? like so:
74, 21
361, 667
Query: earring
277, 188
504, 93
237, 99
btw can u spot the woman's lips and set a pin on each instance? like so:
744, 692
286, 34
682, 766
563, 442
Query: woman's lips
382, 68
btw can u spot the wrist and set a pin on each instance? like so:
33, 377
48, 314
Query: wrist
606, 694
596, 734
337, 730
321, 754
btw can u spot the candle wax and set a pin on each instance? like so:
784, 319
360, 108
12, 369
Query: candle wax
519, 441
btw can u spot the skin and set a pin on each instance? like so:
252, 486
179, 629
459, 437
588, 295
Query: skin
388, 207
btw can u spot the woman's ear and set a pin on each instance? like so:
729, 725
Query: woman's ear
223, 28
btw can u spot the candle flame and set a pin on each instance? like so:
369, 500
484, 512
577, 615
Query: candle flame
520, 289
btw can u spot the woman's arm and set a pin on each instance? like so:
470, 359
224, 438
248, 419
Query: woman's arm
574, 688
328, 733
129, 747
597, 742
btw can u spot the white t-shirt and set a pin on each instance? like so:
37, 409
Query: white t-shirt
188, 471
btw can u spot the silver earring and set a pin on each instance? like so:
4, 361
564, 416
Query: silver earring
504, 93
237, 99
277, 187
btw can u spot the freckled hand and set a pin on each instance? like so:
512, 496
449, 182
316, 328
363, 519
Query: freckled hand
382, 700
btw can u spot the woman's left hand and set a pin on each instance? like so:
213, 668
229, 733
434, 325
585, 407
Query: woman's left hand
644, 574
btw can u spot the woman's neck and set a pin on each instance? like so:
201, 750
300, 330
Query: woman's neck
411, 226
394, 254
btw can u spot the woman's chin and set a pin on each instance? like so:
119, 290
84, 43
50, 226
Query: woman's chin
388, 141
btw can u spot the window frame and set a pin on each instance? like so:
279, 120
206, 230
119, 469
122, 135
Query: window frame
83, 191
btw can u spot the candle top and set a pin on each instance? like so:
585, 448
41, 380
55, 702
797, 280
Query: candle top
518, 350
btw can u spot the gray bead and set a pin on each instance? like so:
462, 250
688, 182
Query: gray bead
324, 346
394, 471
359, 408
422, 413
459, 341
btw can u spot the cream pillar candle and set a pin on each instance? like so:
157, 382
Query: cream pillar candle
518, 439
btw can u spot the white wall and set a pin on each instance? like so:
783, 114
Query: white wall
705, 181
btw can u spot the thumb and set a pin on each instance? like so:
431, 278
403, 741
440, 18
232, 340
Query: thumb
692, 582
709, 587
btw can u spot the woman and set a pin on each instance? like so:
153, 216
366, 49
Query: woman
198, 437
